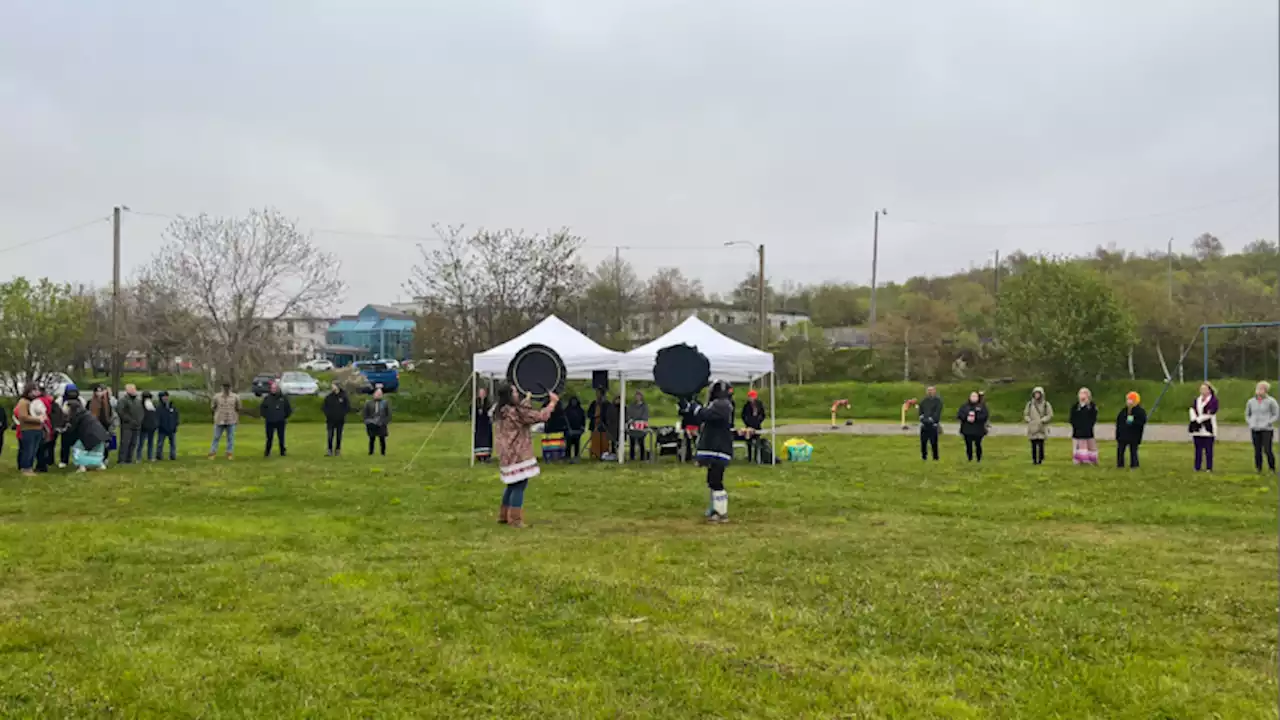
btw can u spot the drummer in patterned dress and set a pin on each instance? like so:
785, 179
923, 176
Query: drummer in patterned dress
514, 417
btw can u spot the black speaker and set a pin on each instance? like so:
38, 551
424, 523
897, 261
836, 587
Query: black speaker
600, 380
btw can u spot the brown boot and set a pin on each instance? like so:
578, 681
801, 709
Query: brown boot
515, 517
503, 515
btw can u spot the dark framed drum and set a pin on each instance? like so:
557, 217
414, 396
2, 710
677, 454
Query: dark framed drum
537, 371
681, 371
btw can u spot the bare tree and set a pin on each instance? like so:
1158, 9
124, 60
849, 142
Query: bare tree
669, 294
234, 276
484, 287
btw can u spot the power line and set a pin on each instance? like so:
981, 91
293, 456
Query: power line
1083, 223
51, 236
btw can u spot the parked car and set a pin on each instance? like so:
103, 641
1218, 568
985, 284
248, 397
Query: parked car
262, 383
378, 372
298, 383
389, 362
55, 383
317, 365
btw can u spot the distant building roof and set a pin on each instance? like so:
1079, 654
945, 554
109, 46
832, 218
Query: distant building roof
385, 311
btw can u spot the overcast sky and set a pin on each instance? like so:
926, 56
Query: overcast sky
648, 124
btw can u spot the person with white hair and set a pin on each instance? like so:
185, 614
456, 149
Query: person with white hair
1261, 412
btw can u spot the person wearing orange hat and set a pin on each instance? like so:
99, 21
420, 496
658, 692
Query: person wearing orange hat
753, 418
1129, 424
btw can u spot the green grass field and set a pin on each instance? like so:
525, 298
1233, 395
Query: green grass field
862, 585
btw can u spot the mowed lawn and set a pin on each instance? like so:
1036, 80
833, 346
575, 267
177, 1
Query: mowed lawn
862, 585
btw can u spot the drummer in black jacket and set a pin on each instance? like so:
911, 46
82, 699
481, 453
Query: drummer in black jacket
715, 445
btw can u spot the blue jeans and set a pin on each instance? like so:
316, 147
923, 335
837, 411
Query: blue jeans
218, 431
147, 439
28, 447
172, 437
513, 496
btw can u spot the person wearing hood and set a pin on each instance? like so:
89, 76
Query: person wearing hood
1261, 413
973, 426
336, 407
637, 426
1037, 415
930, 413
275, 410
753, 414
147, 430
1204, 426
575, 422
1129, 427
1084, 417
89, 438
167, 422
715, 444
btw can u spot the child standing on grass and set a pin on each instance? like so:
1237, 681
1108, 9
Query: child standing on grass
513, 418
1129, 424
973, 425
1084, 416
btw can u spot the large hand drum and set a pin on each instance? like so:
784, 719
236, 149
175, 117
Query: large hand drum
536, 371
681, 371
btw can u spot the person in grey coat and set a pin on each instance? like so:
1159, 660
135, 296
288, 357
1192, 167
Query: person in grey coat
131, 414
377, 416
1261, 412
1037, 415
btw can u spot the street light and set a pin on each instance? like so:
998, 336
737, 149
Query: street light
875, 259
760, 285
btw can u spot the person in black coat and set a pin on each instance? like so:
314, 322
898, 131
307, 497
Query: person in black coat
1084, 416
336, 407
575, 424
715, 444
482, 440
85, 429
753, 419
147, 430
275, 410
1129, 426
167, 422
973, 417
930, 410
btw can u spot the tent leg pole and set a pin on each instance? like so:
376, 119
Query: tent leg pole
773, 423
622, 418
473, 418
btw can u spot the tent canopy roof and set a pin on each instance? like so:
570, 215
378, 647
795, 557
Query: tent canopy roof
581, 354
730, 359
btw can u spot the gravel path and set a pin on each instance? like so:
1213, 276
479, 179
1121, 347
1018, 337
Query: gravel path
1105, 431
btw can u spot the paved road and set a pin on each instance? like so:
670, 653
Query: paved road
1105, 431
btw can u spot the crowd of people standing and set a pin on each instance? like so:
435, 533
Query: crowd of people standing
1262, 412
62, 431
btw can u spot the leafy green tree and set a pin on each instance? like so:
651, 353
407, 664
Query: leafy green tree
1061, 318
42, 327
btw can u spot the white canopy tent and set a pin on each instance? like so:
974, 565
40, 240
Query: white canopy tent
730, 360
581, 356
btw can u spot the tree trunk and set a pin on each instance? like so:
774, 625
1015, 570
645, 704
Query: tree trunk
1130, 362
1163, 365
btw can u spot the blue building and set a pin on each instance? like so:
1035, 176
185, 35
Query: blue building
377, 331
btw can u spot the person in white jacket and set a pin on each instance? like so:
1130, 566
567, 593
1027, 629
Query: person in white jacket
1261, 412
1204, 426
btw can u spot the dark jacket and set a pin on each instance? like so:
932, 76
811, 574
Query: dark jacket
753, 414
1130, 432
275, 408
575, 417
86, 429
377, 412
556, 422
977, 426
336, 406
167, 419
930, 409
150, 422
130, 411
1082, 420
715, 439
608, 417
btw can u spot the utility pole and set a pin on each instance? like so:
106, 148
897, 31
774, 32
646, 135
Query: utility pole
1169, 255
997, 269
875, 260
617, 281
115, 300
763, 319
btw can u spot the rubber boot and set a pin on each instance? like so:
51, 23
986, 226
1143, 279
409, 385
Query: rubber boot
504, 515
515, 517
